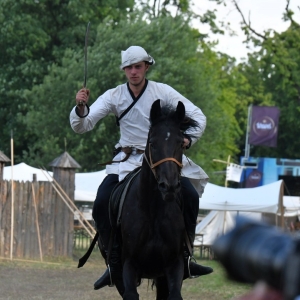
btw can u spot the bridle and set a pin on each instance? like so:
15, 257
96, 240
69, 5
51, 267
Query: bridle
154, 165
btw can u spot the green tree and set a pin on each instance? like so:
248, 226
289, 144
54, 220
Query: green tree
273, 73
35, 35
279, 71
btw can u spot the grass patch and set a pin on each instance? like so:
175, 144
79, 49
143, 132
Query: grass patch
60, 278
215, 286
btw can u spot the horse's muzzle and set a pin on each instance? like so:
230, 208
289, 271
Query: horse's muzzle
169, 192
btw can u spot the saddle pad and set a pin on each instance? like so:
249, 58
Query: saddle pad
118, 195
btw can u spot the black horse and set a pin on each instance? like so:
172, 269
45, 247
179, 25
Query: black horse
152, 224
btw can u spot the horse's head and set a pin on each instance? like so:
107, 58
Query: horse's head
165, 147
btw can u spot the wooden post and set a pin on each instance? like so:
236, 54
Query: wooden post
37, 222
64, 168
12, 198
3, 193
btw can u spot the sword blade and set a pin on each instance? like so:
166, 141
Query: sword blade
85, 53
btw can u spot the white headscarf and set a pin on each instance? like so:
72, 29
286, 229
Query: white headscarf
133, 55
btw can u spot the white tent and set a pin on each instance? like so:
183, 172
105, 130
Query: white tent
260, 199
291, 206
23, 172
226, 203
217, 223
86, 184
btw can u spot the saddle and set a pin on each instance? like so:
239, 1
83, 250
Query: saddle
116, 202
118, 196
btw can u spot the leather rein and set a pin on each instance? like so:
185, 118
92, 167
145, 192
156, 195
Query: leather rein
154, 165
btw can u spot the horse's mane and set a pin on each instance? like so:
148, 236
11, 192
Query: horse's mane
168, 111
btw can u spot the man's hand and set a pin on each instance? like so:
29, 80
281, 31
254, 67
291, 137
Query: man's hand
82, 97
186, 143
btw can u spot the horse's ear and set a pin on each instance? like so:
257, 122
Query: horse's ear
155, 111
180, 111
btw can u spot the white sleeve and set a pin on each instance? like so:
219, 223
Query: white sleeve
98, 110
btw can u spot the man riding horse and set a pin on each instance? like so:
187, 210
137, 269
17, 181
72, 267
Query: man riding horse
131, 103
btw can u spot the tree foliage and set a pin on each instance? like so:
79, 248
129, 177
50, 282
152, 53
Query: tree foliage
278, 69
42, 69
34, 36
273, 72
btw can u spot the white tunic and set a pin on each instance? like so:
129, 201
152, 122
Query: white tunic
134, 126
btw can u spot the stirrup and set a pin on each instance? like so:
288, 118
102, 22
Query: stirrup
190, 275
111, 281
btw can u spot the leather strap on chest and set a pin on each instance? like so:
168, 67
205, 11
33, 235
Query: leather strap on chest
135, 100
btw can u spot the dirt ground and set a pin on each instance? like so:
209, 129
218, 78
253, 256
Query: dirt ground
28, 281
21, 280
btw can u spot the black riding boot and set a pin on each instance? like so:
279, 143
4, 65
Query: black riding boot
113, 274
191, 268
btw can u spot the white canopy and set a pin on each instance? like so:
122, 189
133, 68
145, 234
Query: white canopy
260, 199
225, 203
23, 172
86, 184
291, 206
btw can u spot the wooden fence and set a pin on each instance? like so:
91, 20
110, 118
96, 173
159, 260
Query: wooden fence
42, 223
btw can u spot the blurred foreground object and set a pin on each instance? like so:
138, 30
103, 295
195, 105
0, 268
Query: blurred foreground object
255, 251
261, 291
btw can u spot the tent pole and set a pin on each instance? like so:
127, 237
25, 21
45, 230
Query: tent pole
247, 146
281, 205
227, 164
12, 197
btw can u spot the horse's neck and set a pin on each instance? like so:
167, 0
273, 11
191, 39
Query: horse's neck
148, 186
148, 181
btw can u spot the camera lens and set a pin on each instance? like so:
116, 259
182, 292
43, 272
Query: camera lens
254, 251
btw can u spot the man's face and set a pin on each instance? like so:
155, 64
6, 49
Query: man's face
136, 73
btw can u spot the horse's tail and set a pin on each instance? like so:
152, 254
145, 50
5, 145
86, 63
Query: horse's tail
85, 257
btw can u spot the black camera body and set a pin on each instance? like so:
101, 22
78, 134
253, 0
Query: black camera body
255, 251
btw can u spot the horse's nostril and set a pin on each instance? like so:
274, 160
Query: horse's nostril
163, 186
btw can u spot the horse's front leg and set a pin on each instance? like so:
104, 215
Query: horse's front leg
162, 290
130, 278
174, 275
